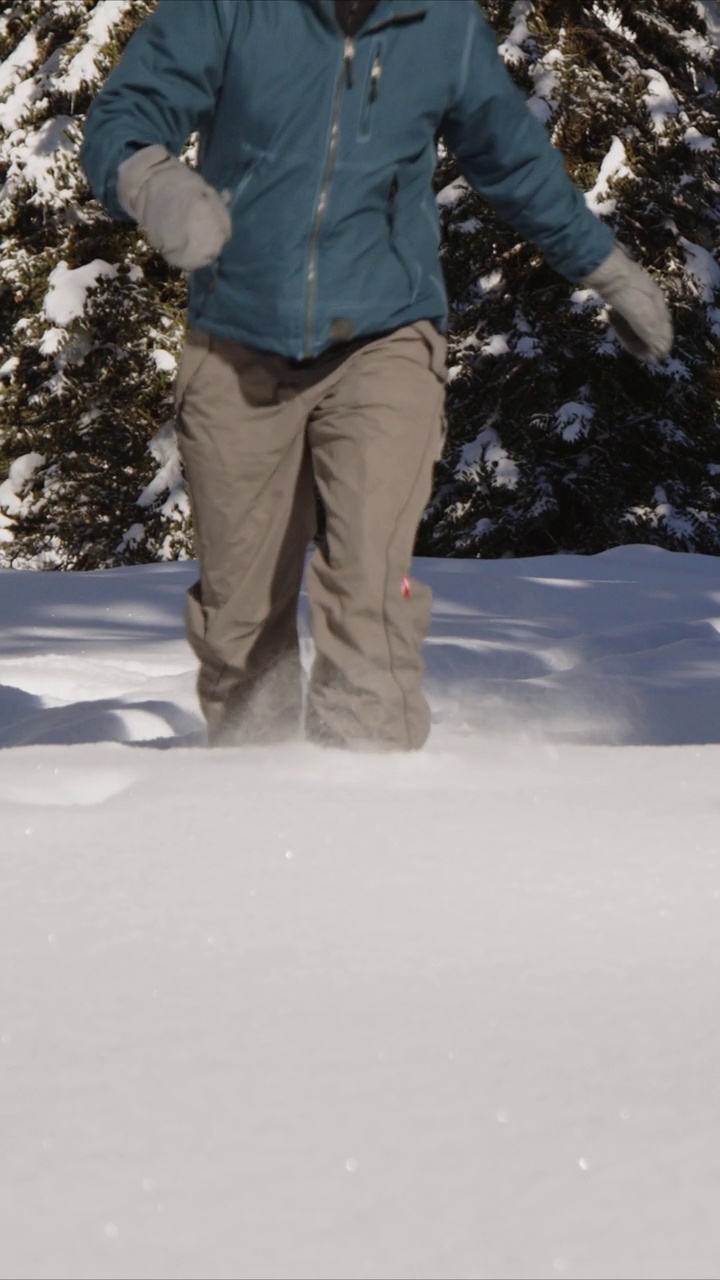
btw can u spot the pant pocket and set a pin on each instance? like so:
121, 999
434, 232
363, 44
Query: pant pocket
195, 350
436, 347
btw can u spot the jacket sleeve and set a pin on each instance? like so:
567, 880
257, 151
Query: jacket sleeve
164, 85
506, 155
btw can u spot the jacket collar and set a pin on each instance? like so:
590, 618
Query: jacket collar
386, 11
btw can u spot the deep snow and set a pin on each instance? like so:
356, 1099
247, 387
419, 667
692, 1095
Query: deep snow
297, 1013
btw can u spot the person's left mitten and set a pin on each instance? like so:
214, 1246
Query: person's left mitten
183, 217
638, 309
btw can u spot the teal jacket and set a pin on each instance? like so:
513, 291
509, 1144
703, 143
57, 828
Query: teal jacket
326, 147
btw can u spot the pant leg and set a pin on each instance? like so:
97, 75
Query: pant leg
243, 444
375, 437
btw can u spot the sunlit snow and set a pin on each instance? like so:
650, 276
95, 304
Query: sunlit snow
614, 166
703, 267
19, 473
511, 48
710, 11
82, 69
65, 298
298, 1013
660, 100
698, 141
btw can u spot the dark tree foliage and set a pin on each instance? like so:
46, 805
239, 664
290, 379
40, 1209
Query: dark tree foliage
558, 440
86, 435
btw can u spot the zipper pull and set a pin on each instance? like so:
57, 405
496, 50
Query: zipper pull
375, 75
349, 60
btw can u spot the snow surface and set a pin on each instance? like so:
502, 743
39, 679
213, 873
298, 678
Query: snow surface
294, 1013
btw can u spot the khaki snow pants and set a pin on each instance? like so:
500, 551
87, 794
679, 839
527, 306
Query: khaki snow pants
256, 435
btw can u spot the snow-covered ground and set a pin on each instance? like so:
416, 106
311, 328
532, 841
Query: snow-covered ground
295, 1013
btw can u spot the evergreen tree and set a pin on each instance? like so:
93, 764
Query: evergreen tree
559, 440
90, 319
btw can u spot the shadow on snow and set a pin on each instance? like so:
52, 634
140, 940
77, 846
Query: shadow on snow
617, 649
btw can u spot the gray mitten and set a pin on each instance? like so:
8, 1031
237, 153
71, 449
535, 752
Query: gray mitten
182, 216
639, 311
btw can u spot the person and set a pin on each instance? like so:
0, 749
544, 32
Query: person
315, 353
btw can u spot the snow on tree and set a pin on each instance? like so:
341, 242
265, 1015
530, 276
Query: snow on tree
90, 319
559, 440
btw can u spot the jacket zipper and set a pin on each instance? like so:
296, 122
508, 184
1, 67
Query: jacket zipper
346, 78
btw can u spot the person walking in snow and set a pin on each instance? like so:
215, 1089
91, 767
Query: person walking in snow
315, 353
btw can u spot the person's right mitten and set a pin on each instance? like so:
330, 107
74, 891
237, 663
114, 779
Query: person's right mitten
182, 216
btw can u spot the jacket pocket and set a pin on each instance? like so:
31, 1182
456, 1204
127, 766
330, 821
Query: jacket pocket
436, 345
409, 263
371, 91
243, 176
400, 246
251, 160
